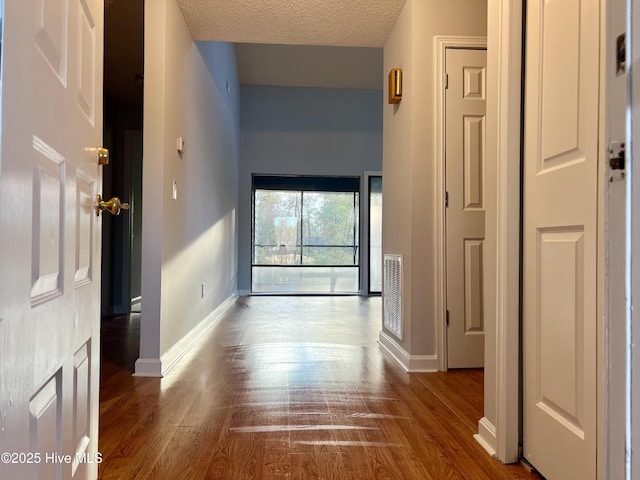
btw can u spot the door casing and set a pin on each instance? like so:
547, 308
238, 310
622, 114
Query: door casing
442, 43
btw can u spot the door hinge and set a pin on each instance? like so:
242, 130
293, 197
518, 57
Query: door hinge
621, 54
447, 318
446, 199
446, 81
617, 154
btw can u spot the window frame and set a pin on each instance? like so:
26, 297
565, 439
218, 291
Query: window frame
309, 184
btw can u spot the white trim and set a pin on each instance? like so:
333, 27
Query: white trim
486, 436
505, 49
409, 363
136, 304
364, 231
441, 44
611, 356
149, 367
632, 459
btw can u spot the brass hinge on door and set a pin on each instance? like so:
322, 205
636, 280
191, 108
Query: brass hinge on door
446, 199
617, 155
446, 81
447, 318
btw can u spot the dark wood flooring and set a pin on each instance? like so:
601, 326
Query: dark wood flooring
289, 388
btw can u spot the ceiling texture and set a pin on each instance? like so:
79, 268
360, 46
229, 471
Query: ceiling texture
299, 43
345, 23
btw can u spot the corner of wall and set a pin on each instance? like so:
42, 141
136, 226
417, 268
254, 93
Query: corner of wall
190, 240
152, 178
410, 363
486, 436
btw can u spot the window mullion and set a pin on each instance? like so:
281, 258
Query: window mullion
301, 225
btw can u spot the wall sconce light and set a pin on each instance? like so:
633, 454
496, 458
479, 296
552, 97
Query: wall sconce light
395, 85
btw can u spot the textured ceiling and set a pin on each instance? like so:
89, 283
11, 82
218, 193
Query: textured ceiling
354, 23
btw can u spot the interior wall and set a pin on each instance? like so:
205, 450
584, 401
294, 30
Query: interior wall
409, 169
191, 91
303, 131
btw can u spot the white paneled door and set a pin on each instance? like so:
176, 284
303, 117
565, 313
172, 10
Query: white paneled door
52, 54
465, 124
560, 233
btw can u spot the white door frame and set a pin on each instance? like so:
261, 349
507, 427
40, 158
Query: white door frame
442, 43
500, 435
632, 466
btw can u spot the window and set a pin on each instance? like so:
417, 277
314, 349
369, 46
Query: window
305, 235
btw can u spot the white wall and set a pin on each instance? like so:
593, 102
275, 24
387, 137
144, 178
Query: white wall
191, 240
409, 169
303, 131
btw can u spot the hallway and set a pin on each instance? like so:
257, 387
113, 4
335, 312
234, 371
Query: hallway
289, 388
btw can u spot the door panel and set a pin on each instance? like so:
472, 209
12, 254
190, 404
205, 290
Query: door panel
465, 160
86, 62
560, 228
47, 223
85, 225
561, 295
45, 408
473, 316
49, 179
51, 35
473, 134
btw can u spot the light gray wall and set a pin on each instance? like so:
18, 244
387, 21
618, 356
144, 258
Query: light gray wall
409, 170
193, 239
303, 131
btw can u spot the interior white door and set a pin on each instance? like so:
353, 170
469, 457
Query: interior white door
465, 103
560, 234
50, 236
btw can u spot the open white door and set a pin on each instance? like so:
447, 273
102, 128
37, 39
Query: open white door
465, 125
50, 235
560, 232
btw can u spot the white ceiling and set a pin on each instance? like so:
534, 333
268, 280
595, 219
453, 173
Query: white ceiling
299, 42
347, 23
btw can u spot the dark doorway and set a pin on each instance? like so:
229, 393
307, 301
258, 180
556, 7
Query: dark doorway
123, 94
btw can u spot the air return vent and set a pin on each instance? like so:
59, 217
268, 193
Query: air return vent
392, 294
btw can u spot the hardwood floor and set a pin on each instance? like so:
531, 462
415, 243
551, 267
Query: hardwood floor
289, 388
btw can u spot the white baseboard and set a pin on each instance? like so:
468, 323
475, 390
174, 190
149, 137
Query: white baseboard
410, 363
149, 367
486, 436
136, 303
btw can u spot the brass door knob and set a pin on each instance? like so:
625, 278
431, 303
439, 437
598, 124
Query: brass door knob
113, 206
